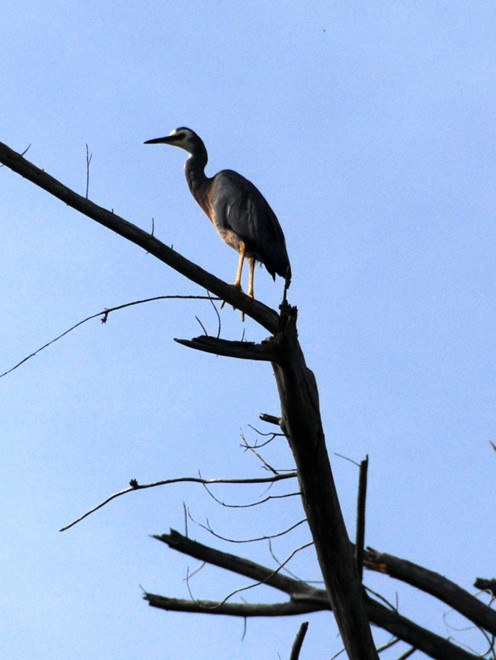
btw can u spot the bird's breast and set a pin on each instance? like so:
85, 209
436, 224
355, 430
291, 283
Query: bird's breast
229, 236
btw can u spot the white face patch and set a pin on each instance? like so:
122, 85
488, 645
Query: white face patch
183, 138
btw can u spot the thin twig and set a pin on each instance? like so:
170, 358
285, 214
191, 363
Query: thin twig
388, 645
21, 154
252, 540
247, 447
251, 504
185, 513
219, 321
393, 608
105, 314
276, 559
270, 434
490, 642
407, 654
88, 161
188, 585
346, 458
336, 655
202, 326
197, 570
135, 486
264, 580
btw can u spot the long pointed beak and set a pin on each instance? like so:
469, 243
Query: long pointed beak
168, 139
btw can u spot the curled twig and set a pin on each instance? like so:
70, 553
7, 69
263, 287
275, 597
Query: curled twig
250, 504
253, 540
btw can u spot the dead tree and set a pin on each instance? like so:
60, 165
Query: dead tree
300, 421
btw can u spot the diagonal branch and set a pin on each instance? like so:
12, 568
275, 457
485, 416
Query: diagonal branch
238, 565
264, 315
434, 584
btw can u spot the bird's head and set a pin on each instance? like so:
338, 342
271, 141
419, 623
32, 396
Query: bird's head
181, 137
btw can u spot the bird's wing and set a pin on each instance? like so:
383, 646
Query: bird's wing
240, 207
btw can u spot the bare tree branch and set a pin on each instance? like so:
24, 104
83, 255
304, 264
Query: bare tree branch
239, 565
270, 419
105, 314
274, 572
230, 609
250, 504
252, 449
434, 584
422, 639
298, 643
389, 644
307, 598
198, 480
407, 654
486, 585
250, 540
236, 349
360, 526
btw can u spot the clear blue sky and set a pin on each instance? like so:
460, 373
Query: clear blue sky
370, 127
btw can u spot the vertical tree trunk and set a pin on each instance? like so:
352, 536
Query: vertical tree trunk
302, 424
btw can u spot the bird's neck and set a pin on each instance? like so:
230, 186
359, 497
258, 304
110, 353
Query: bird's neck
197, 180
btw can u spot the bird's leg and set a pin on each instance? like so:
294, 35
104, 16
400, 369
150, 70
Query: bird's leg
251, 279
237, 283
242, 250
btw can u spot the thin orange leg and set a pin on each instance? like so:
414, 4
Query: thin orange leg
251, 279
237, 283
242, 250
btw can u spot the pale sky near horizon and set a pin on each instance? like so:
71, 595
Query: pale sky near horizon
370, 128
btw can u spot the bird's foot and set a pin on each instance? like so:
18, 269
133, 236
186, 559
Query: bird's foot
236, 285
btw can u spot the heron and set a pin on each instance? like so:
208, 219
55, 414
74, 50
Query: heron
237, 209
